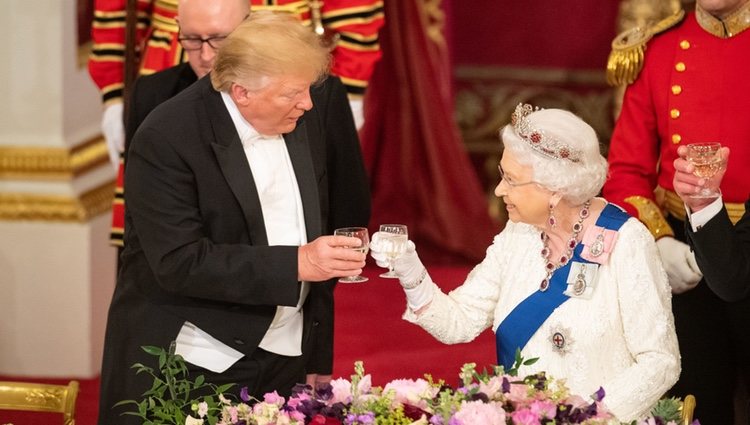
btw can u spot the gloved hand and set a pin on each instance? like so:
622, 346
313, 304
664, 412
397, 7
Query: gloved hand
407, 266
409, 269
358, 112
679, 262
113, 130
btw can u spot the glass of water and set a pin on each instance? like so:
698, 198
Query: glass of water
394, 238
361, 234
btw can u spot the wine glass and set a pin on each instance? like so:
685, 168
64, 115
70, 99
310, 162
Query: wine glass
707, 162
393, 238
362, 234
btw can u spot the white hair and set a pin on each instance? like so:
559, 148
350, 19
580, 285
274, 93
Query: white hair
575, 181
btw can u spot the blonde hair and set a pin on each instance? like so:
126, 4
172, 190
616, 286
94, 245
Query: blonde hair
268, 44
575, 181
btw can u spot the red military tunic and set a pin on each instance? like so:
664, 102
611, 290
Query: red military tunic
693, 88
352, 24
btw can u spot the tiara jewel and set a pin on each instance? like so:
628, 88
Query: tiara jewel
537, 139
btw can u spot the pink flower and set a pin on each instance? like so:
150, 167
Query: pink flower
202, 409
478, 412
544, 409
525, 417
412, 392
297, 416
273, 398
298, 399
492, 387
518, 394
233, 414
342, 391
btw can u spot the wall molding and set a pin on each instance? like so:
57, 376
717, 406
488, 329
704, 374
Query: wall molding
22, 206
35, 163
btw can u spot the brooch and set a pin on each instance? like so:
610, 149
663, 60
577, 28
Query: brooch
581, 280
598, 243
560, 339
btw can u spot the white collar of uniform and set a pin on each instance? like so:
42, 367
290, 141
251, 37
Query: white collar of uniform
248, 134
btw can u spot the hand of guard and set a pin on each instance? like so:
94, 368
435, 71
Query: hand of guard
113, 130
679, 263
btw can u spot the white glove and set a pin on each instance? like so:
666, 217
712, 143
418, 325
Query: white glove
679, 262
358, 111
408, 267
113, 130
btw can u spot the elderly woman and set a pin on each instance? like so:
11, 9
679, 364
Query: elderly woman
571, 280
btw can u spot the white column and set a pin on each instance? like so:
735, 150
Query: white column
57, 269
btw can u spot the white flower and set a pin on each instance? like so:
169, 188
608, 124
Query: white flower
193, 421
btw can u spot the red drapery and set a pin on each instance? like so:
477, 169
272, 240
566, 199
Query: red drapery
420, 173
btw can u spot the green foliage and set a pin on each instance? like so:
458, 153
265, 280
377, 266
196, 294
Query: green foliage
668, 409
172, 396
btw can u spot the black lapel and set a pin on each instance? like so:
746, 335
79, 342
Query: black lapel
225, 141
298, 146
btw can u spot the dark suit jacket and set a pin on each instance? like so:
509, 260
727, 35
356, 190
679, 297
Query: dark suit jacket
196, 247
723, 254
149, 91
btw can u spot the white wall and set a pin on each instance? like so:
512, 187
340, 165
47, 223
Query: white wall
56, 277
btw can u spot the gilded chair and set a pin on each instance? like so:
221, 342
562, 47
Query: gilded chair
32, 397
688, 406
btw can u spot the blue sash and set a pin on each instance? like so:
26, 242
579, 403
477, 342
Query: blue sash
526, 318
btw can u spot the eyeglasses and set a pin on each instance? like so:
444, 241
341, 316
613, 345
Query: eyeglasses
196, 43
510, 182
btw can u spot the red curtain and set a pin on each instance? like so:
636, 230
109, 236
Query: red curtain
420, 173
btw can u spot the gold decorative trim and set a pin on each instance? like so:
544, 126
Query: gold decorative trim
537, 75
674, 205
650, 214
24, 206
52, 163
626, 58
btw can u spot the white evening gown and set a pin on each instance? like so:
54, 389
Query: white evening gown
622, 338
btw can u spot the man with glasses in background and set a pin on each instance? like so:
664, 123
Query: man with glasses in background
233, 186
203, 25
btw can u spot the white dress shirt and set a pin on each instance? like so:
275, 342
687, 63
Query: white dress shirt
700, 218
284, 220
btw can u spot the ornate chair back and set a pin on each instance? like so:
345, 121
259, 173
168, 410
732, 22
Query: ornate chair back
34, 397
688, 406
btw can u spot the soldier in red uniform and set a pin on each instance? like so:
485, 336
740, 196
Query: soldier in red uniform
351, 25
693, 87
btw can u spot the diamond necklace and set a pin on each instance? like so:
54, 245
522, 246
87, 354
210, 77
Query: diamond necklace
550, 267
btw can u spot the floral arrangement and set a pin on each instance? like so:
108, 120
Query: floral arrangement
497, 397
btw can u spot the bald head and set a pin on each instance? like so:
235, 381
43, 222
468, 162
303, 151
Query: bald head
208, 19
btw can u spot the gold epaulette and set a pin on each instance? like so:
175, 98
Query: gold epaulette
650, 214
626, 59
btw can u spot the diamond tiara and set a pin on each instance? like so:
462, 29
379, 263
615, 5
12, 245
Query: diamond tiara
537, 139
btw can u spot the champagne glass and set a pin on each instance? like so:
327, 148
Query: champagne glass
707, 162
361, 234
394, 238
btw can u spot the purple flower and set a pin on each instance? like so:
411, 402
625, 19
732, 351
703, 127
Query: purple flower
599, 394
506, 385
244, 395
